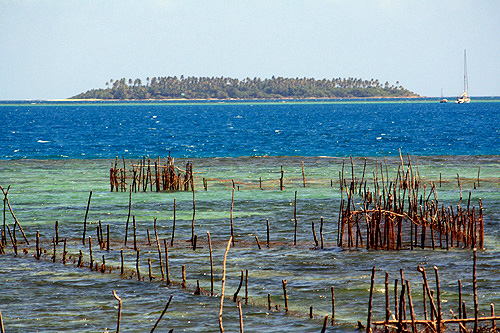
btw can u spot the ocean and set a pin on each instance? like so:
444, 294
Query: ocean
52, 154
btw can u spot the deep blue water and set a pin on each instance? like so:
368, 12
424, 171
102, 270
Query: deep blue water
106, 130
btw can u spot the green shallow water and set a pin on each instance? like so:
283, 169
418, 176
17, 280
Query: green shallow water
41, 296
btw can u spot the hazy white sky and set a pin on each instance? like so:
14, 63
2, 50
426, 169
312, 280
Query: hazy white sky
56, 49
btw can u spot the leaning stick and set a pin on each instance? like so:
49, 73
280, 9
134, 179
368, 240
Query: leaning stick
119, 311
161, 260
85, 219
161, 316
257, 240
173, 226
325, 323
167, 267
14, 216
241, 316
235, 296
1, 323
223, 284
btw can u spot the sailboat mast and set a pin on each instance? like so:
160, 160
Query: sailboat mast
466, 82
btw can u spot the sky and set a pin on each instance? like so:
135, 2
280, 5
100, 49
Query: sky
56, 49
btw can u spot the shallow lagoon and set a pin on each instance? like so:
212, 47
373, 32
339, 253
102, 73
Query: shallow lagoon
52, 155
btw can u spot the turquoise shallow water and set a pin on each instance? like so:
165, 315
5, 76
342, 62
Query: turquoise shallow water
41, 296
45, 296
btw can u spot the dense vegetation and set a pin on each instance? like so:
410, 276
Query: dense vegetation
224, 88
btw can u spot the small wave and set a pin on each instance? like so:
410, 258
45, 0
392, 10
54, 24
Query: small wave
42, 141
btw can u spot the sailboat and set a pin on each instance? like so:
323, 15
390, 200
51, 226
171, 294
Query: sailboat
443, 100
464, 98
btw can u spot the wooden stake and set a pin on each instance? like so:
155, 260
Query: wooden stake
267, 232
246, 286
150, 272
64, 252
321, 232
314, 234
161, 316
183, 285
285, 296
231, 216
257, 241
241, 316
135, 233
295, 218
493, 325
173, 226
412, 312
370, 303
128, 216
122, 266
325, 324
6, 199
223, 285
439, 314
85, 219
235, 296
211, 265
303, 175
474, 285
119, 311
91, 264
161, 258
192, 222
333, 304
137, 266
166, 261
57, 232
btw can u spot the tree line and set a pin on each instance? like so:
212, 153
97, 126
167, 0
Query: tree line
256, 88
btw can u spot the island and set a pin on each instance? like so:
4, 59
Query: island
189, 88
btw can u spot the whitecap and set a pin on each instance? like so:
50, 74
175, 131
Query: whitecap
379, 138
42, 141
